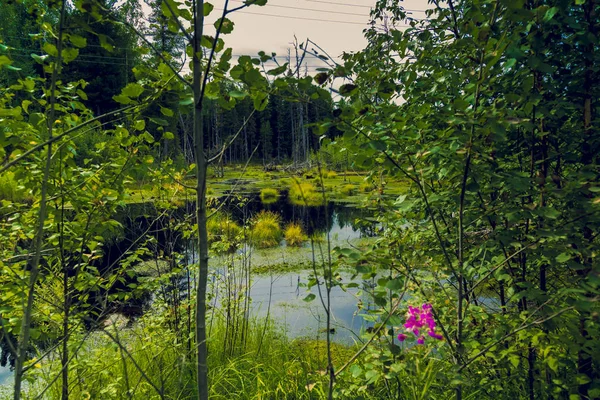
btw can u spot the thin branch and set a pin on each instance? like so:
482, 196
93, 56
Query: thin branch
219, 155
176, 18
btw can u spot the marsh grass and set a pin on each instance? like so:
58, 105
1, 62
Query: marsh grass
266, 230
348, 190
224, 232
294, 235
267, 365
305, 193
269, 195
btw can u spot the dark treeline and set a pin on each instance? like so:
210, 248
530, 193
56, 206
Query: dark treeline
109, 57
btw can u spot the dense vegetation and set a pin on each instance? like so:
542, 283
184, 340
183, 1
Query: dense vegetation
485, 272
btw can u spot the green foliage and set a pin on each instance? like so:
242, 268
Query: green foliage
224, 233
294, 234
266, 230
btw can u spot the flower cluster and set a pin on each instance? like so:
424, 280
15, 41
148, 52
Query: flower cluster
419, 319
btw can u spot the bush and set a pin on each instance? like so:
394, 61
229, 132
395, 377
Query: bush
294, 235
330, 174
266, 231
269, 195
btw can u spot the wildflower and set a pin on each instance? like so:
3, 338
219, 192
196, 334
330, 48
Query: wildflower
419, 319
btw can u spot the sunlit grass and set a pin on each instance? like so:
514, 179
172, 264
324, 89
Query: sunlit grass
269, 195
266, 230
305, 193
294, 235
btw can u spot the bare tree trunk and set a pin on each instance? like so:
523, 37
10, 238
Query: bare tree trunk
25, 332
201, 165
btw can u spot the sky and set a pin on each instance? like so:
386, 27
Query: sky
335, 25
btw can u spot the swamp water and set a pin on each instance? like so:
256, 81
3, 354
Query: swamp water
278, 294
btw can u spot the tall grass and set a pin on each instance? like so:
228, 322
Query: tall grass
294, 235
305, 193
269, 195
268, 366
266, 230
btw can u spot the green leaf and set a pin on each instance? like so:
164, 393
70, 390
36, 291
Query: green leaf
186, 102
4, 60
10, 112
39, 59
168, 136
78, 41
260, 101
563, 257
279, 70
133, 90
309, 298
550, 14
139, 125
237, 94
119, 98
226, 26
207, 9
70, 54
256, 2
166, 111
346, 89
50, 49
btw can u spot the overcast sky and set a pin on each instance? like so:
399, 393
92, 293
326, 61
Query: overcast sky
335, 25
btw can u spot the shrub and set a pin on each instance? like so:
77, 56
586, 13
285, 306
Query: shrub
294, 235
266, 231
331, 174
269, 195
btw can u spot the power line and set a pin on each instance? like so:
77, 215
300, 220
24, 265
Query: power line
354, 5
303, 18
308, 9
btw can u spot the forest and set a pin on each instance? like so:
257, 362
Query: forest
418, 219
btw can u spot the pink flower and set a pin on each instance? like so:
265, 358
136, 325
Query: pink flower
417, 319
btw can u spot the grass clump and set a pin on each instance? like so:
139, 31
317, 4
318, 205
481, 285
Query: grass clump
294, 235
266, 231
366, 187
348, 190
305, 194
269, 195
223, 231
330, 174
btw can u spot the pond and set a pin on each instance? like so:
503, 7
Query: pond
344, 223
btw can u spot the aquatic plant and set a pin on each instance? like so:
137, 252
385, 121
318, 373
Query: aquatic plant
269, 195
305, 193
266, 231
294, 235
348, 190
